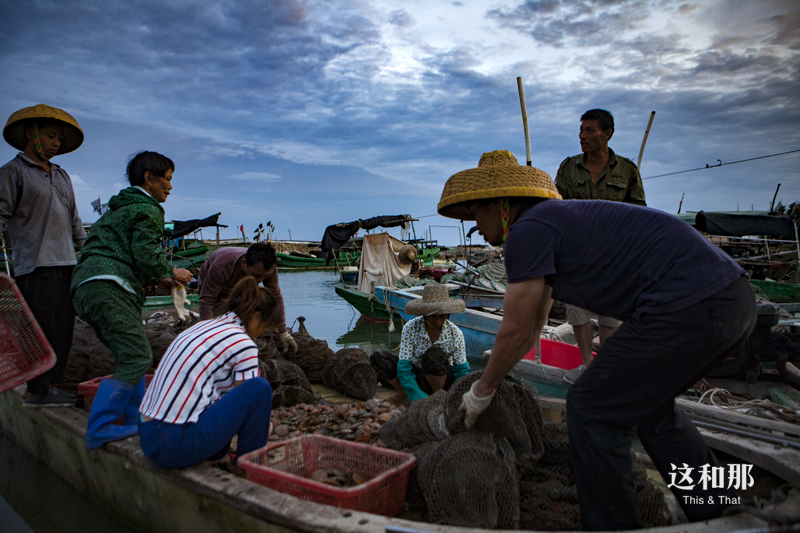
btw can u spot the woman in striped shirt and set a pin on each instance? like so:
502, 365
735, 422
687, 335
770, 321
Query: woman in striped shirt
207, 387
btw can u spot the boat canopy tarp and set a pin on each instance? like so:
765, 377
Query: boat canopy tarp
338, 234
185, 227
380, 262
734, 225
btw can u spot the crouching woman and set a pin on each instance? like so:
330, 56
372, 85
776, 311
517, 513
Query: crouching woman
207, 387
433, 354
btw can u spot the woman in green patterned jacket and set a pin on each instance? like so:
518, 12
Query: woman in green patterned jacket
122, 256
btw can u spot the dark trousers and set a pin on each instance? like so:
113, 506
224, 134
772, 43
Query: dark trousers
244, 411
631, 387
434, 363
46, 291
116, 317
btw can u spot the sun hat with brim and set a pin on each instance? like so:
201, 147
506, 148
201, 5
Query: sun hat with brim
498, 176
435, 301
14, 132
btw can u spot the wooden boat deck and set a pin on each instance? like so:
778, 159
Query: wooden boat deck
205, 498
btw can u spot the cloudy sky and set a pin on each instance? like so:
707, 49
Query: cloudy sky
309, 113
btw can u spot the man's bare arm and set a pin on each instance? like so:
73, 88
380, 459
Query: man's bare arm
525, 309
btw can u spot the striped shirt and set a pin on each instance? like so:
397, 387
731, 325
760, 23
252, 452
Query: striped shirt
199, 367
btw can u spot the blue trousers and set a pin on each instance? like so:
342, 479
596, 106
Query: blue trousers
244, 411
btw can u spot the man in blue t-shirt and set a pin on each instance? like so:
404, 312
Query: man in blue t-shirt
684, 303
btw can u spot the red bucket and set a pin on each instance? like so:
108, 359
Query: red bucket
558, 354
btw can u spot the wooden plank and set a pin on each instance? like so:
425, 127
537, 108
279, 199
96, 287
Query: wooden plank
735, 386
782, 461
727, 415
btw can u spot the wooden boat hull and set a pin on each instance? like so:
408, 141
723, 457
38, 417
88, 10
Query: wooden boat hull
204, 498
368, 306
779, 292
165, 302
294, 262
286, 261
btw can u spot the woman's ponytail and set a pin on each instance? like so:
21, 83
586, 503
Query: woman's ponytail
248, 299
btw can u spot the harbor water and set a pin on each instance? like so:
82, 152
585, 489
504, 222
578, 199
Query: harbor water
34, 499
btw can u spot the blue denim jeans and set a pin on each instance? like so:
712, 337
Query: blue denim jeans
244, 411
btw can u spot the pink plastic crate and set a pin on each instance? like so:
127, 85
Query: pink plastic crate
24, 350
287, 466
88, 389
558, 354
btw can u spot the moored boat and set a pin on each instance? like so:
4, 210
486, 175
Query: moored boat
307, 261
779, 292
366, 304
479, 326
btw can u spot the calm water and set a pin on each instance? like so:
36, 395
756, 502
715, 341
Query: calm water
34, 499
329, 317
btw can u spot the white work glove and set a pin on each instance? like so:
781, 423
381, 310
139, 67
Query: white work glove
287, 340
179, 299
473, 406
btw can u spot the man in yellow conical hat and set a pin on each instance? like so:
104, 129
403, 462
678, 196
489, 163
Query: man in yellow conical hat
37, 207
685, 304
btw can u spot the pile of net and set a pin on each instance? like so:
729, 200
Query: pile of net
89, 358
350, 372
489, 276
289, 384
311, 353
512, 470
412, 281
422, 422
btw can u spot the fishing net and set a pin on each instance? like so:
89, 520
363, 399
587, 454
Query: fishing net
310, 356
521, 463
89, 358
652, 503
289, 383
84, 344
268, 346
350, 372
548, 497
469, 480
514, 414
412, 281
422, 421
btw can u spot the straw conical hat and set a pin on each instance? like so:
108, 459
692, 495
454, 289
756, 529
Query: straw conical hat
14, 132
435, 301
407, 255
498, 176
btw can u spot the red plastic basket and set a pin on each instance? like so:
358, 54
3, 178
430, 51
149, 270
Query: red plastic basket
558, 354
287, 467
88, 389
24, 350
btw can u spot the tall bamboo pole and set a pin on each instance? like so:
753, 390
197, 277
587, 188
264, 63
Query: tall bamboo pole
524, 121
644, 140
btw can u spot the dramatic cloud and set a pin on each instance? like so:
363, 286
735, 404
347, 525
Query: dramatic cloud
259, 176
309, 112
